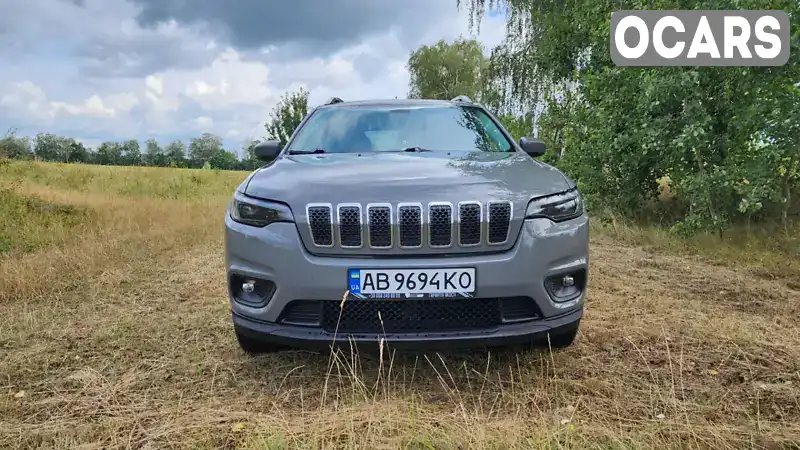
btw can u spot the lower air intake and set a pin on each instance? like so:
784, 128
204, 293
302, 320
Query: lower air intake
411, 316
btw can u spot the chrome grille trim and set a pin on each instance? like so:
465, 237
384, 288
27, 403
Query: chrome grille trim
348, 207
506, 223
390, 224
436, 225
318, 207
399, 226
432, 212
461, 225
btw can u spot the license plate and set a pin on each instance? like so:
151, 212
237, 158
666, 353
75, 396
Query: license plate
396, 283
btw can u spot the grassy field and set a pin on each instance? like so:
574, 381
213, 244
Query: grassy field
115, 333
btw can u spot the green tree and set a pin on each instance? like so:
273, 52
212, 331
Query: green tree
109, 154
203, 148
78, 153
154, 154
15, 147
224, 160
49, 147
518, 126
176, 154
249, 160
287, 115
726, 137
131, 153
446, 70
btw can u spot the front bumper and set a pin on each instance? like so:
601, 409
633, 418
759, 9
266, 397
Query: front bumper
512, 334
276, 253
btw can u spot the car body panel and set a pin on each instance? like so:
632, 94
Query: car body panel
276, 253
285, 254
405, 178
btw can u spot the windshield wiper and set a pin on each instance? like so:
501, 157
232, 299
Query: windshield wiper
415, 150
307, 152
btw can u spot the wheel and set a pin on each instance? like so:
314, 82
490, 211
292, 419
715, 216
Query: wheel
561, 340
253, 346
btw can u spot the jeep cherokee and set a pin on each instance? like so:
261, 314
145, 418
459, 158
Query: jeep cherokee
419, 222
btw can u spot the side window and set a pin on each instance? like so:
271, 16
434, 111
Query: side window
311, 134
497, 136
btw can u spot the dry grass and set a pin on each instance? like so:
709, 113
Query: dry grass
115, 332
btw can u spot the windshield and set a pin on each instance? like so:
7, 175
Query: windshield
395, 128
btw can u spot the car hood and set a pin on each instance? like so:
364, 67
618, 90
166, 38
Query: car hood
404, 177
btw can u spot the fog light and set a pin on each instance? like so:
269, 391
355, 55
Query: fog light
249, 286
253, 292
566, 287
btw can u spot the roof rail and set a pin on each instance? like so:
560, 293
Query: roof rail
462, 98
333, 101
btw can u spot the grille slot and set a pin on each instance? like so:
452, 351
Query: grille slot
499, 221
409, 225
440, 224
320, 223
302, 312
469, 223
411, 316
349, 219
516, 309
379, 220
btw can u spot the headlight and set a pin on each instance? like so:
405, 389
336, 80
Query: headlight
259, 213
558, 207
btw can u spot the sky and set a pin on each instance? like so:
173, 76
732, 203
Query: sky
99, 70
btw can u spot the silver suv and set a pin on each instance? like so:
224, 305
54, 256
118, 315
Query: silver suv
419, 222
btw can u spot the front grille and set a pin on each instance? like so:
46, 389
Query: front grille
469, 224
350, 226
410, 226
410, 316
320, 223
499, 217
440, 224
379, 218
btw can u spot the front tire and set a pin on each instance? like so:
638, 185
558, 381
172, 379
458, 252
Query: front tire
561, 340
253, 346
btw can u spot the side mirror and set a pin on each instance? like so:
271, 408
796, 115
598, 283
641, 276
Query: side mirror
267, 150
532, 146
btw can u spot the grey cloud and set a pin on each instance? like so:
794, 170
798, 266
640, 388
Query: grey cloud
291, 29
314, 27
119, 55
95, 31
369, 66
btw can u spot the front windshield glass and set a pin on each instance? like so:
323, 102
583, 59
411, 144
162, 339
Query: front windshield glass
393, 128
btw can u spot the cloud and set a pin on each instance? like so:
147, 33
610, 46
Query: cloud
204, 122
102, 36
91, 107
168, 69
307, 28
24, 94
28, 96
